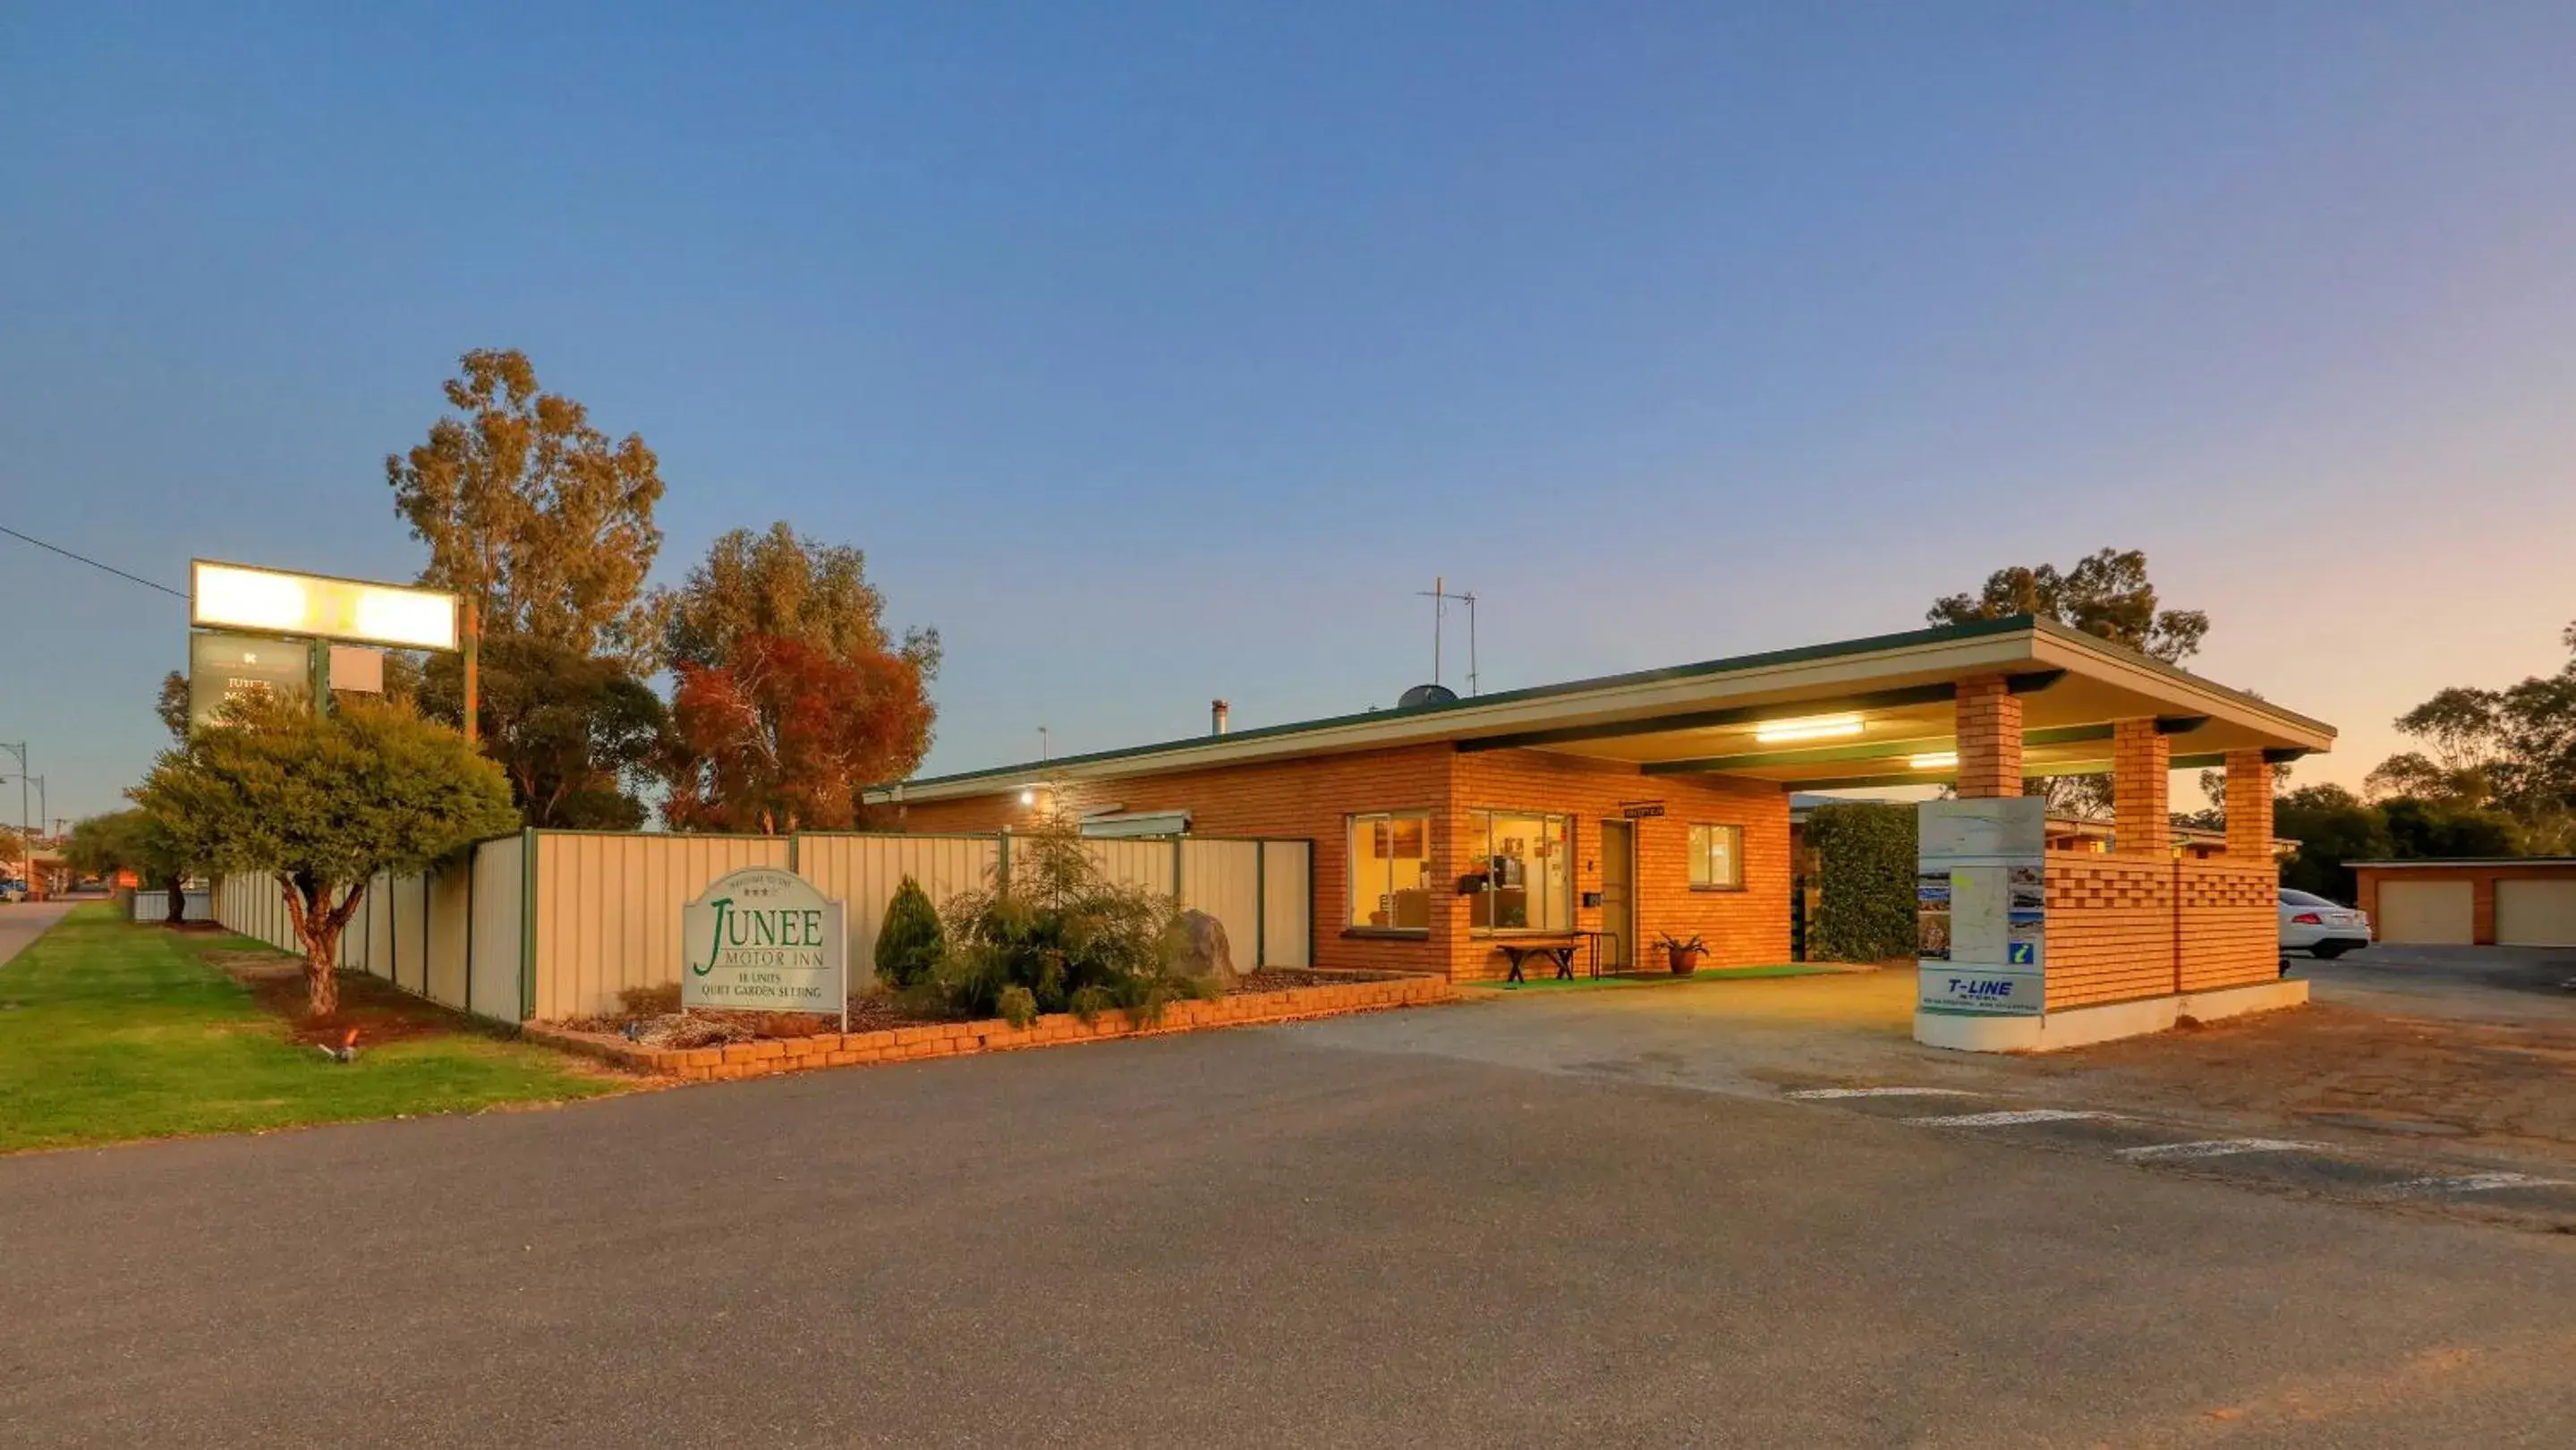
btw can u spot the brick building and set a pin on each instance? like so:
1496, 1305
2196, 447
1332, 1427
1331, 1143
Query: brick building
1654, 804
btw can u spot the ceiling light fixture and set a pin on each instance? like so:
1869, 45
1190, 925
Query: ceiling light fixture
1936, 760
1812, 727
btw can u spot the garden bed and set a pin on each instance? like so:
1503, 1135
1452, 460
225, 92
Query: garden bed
757, 1044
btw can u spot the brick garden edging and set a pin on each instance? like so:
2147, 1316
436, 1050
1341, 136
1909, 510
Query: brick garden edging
959, 1039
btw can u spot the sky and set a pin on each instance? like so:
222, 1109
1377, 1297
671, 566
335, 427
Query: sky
1156, 353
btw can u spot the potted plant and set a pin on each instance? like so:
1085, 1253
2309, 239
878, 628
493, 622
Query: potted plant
1682, 956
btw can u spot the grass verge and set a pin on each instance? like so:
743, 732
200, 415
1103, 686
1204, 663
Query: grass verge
111, 1031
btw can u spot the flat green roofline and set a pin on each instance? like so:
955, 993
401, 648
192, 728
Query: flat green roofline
1733, 664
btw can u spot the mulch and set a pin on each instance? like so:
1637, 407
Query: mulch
380, 1013
1281, 979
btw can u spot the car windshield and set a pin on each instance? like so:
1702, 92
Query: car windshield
2301, 898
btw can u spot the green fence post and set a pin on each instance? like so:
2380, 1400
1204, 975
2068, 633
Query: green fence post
527, 922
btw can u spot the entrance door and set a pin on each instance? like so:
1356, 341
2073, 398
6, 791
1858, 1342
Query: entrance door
1619, 894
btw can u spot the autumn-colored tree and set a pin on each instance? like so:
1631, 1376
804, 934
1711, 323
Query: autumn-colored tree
533, 513
322, 802
783, 735
783, 584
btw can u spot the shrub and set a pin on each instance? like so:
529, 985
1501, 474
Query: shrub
1062, 936
911, 942
1865, 855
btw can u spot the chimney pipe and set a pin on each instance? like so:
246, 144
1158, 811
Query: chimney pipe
1217, 712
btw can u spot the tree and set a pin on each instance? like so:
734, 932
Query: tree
910, 942
2332, 827
322, 802
2436, 829
782, 736
172, 706
132, 840
783, 584
572, 733
1865, 859
2513, 749
532, 512
2107, 594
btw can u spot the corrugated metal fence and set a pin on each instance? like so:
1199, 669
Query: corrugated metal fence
553, 924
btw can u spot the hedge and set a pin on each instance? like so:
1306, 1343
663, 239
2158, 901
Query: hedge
1865, 855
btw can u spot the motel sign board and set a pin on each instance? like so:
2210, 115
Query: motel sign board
767, 940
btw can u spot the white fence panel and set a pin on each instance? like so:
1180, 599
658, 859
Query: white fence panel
1287, 903
862, 872
1223, 879
608, 909
499, 941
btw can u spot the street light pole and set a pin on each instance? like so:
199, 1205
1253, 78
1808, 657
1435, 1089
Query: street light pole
26, 833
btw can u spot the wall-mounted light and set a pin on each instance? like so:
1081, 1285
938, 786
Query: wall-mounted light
1029, 797
1936, 760
1811, 727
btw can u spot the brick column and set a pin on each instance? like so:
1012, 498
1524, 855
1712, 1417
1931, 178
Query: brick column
1989, 730
2249, 806
2141, 777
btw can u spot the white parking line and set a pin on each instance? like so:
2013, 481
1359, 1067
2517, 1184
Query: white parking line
2214, 1148
1816, 1095
2474, 1183
2007, 1120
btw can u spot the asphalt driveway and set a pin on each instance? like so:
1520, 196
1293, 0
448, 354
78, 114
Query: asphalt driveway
1239, 1238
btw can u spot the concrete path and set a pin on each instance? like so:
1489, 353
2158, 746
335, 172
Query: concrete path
24, 921
1242, 1238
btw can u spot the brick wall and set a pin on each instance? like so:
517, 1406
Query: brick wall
1748, 927
2231, 923
1989, 731
1313, 797
1309, 798
2124, 926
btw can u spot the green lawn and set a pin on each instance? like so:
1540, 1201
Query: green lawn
111, 1031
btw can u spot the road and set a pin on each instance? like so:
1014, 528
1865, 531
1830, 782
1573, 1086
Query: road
25, 921
1267, 1237
2475, 984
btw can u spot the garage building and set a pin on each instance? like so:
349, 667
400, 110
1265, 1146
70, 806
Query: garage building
2525, 901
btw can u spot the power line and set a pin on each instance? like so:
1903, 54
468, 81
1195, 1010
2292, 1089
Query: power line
93, 563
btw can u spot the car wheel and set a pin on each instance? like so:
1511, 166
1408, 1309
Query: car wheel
2326, 951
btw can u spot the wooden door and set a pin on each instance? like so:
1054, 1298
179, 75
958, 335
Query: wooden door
1619, 895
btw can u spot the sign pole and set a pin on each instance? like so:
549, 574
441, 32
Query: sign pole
473, 668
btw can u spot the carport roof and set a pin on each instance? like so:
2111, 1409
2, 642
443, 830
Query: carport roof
1885, 701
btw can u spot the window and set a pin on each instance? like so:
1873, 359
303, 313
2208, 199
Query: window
1519, 874
1391, 871
1717, 858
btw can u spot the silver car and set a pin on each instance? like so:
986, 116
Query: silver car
2321, 928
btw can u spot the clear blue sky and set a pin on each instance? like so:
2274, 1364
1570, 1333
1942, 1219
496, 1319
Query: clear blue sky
1158, 353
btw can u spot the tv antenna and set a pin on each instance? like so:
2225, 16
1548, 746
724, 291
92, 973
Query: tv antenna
1440, 598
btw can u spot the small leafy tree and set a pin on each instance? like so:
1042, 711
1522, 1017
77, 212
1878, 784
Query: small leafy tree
1059, 936
133, 840
2332, 827
911, 941
323, 802
1865, 859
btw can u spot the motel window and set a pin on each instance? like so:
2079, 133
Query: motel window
1391, 871
1520, 876
1716, 858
